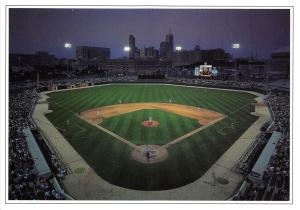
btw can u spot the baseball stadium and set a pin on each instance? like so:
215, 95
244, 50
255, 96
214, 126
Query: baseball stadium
174, 124
152, 141
143, 140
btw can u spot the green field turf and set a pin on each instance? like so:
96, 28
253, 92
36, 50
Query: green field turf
129, 126
188, 160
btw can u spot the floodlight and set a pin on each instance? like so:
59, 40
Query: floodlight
236, 45
68, 45
126, 49
178, 48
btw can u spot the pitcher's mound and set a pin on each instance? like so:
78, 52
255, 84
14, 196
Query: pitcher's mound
151, 123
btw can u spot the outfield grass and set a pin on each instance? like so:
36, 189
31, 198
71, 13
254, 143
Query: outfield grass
188, 160
129, 126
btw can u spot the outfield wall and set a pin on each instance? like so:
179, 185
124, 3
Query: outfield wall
261, 91
251, 91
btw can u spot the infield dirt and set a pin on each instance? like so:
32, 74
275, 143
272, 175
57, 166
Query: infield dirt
203, 116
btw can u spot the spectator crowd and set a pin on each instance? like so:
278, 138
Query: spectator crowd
24, 181
275, 183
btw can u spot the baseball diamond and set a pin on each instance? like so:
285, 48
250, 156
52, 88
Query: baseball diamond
142, 104
187, 134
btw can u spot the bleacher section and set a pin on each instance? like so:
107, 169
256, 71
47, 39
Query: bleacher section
269, 179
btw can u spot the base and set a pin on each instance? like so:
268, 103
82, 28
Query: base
157, 154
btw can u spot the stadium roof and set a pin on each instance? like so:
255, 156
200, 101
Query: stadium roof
38, 157
263, 160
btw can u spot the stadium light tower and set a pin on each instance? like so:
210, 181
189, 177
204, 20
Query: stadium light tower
67, 45
127, 50
178, 49
235, 46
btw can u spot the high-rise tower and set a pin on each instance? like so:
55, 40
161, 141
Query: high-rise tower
132, 46
170, 40
164, 49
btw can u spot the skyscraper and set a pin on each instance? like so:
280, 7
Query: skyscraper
164, 49
132, 46
149, 52
170, 40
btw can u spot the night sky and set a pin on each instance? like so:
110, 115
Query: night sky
258, 31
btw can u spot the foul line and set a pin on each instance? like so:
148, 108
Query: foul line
134, 146
109, 132
192, 133
181, 138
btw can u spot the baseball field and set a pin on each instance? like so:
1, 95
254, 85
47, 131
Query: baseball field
112, 126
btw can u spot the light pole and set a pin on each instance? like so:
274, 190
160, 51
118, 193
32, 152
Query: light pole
266, 81
235, 46
127, 50
68, 45
178, 49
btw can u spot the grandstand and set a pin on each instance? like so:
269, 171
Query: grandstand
36, 170
31, 174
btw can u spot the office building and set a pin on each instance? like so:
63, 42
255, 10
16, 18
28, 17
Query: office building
38, 59
88, 53
149, 52
188, 57
279, 64
163, 49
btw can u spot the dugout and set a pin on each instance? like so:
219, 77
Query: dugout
40, 162
261, 164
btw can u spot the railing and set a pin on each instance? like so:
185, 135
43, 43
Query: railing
60, 190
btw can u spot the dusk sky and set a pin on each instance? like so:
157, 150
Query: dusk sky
258, 31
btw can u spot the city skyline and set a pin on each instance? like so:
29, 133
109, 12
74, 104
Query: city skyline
259, 32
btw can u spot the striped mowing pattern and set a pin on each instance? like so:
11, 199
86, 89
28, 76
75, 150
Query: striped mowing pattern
188, 160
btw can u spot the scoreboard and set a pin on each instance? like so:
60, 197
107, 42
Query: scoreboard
206, 70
